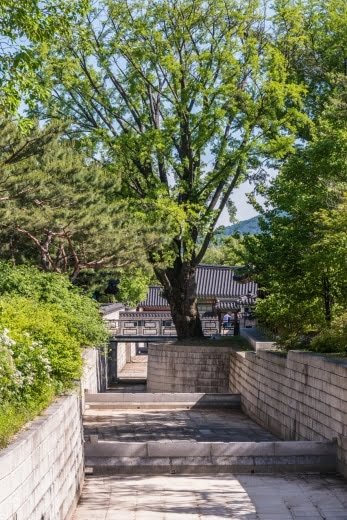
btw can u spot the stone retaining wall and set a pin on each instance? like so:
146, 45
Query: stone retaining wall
41, 472
94, 377
178, 368
299, 397
125, 351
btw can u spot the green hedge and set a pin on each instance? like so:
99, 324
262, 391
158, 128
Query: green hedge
44, 324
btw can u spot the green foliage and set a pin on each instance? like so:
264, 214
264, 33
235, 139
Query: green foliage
333, 339
61, 210
44, 324
184, 99
22, 25
300, 259
133, 288
228, 251
79, 313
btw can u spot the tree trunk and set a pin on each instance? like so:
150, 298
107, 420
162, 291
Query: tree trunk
327, 299
180, 291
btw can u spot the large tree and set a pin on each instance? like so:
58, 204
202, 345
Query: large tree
186, 98
300, 258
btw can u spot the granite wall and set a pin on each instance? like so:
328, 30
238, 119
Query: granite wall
180, 368
42, 470
299, 397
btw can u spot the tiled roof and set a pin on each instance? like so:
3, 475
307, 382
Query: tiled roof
144, 315
218, 281
154, 298
233, 304
111, 307
212, 282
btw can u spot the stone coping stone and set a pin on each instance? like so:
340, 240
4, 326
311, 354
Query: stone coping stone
257, 340
174, 347
182, 448
164, 397
206, 465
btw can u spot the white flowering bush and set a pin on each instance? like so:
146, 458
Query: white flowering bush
9, 380
25, 367
44, 324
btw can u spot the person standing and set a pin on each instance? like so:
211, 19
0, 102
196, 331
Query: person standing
226, 320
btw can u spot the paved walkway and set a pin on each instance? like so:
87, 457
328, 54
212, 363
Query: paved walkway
217, 425
136, 369
217, 497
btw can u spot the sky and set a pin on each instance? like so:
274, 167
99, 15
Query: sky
244, 209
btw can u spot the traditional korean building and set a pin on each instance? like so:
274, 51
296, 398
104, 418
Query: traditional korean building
218, 290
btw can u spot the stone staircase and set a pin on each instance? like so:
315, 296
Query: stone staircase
170, 433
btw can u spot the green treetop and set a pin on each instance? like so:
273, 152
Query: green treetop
300, 259
185, 98
62, 211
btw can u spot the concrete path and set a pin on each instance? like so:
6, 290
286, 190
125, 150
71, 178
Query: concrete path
135, 370
218, 425
217, 497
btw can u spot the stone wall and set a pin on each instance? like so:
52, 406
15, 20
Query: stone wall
299, 397
94, 377
41, 472
178, 368
125, 351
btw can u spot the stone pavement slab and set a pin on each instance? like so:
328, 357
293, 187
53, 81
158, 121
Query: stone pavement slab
215, 497
218, 425
135, 369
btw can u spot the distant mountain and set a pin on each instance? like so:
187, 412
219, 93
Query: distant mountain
250, 226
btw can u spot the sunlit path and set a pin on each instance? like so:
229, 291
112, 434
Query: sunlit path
232, 497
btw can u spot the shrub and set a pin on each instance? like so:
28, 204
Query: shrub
333, 339
44, 323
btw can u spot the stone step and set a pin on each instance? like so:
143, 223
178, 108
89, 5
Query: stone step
93, 407
179, 456
138, 400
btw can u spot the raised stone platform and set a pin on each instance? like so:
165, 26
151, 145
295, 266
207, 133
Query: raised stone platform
189, 433
257, 339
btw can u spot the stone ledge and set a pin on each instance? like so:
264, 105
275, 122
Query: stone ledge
192, 449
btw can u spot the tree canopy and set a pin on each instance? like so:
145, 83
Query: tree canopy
61, 210
300, 259
186, 98
22, 25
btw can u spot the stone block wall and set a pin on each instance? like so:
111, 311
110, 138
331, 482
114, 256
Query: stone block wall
178, 368
94, 377
125, 351
299, 397
41, 472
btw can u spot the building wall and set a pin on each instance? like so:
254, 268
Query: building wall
299, 397
112, 315
178, 368
42, 470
